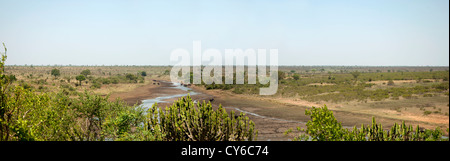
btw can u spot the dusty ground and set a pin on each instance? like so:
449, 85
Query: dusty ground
280, 114
148, 91
268, 128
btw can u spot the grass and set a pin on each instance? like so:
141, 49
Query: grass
341, 87
102, 80
415, 90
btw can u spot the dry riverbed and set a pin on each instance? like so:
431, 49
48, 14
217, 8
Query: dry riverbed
272, 116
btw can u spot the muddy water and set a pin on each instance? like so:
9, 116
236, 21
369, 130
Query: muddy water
270, 122
148, 103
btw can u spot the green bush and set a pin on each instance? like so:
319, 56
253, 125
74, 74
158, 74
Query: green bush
115, 81
55, 72
96, 85
143, 73
106, 81
324, 127
428, 95
297, 77
442, 86
26, 115
80, 78
390, 83
86, 72
186, 121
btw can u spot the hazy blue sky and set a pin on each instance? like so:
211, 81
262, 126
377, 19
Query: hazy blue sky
310, 32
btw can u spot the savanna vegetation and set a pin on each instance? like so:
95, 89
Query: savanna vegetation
323, 126
418, 95
27, 114
71, 103
348, 86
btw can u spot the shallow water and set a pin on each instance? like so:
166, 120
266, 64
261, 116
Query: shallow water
148, 103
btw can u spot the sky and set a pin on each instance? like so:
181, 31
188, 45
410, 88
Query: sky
305, 32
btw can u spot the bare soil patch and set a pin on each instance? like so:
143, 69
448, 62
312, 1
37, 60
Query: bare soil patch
281, 114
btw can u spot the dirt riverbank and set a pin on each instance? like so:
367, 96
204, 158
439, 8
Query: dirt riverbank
272, 117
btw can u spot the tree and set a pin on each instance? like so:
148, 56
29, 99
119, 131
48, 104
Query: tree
281, 75
55, 72
143, 73
80, 78
166, 72
4, 127
86, 72
130, 76
296, 76
355, 75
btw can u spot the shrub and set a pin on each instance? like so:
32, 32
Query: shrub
281, 75
115, 81
428, 95
238, 90
324, 127
86, 72
106, 81
96, 85
427, 81
390, 83
131, 77
64, 85
355, 75
12, 78
407, 96
55, 72
25, 85
143, 73
186, 121
426, 112
26, 115
41, 81
441, 86
297, 77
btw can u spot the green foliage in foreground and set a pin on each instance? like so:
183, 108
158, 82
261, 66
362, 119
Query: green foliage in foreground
30, 116
323, 126
187, 121
26, 115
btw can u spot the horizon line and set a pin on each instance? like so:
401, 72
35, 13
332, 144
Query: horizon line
161, 65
